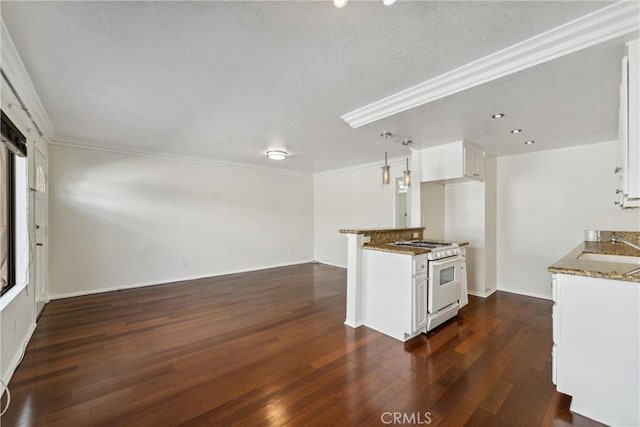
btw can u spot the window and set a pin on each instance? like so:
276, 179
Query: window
13, 144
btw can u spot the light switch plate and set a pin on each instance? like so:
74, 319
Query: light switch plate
367, 239
415, 235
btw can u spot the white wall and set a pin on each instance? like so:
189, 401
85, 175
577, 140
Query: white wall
465, 221
350, 198
545, 201
121, 220
490, 224
432, 210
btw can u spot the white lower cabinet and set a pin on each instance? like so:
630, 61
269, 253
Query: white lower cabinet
394, 293
419, 304
596, 347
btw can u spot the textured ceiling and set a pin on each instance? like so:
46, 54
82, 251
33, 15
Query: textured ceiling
228, 80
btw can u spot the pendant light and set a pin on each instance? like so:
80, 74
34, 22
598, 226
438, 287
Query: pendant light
386, 173
407, 175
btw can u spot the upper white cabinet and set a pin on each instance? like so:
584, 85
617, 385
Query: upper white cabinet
629, 129
453, 161
473, 162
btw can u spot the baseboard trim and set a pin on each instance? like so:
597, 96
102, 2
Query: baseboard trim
526, 294
330, 264
484, 294
168, 281
17, 358
353, 324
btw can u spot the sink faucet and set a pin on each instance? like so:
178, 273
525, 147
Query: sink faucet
615, 239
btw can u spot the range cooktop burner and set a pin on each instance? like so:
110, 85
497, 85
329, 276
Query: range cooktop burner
430, 244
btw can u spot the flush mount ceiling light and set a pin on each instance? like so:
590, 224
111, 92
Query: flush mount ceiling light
529, 142
516, 130
497, 116
277, 154
342, 3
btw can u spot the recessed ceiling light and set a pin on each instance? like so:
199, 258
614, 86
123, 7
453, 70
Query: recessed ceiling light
529, 142
277, 154
497, 116
340, 3
516, 130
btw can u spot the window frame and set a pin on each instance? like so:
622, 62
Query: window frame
15, 143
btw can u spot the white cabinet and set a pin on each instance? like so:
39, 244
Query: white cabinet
455, 161
629, 129
473, 162
596, 347
394, 293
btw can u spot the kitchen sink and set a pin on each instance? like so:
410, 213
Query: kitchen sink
621, 259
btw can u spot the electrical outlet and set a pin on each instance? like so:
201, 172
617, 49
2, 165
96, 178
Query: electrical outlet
366, 239
415, 235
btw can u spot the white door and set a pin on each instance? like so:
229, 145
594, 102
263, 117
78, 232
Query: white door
41, 232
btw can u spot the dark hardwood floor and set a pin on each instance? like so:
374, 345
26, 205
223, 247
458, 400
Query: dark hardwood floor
270, 348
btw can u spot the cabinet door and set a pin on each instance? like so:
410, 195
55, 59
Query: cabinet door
473, 162
623, 131
633, 122
479, 165
469, 162
419, 303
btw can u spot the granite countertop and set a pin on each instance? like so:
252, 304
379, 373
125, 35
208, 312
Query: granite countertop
396, 249
379, 230
399, 249
570, 264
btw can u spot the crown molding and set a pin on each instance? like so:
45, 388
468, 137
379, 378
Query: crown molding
131, 151
362, 167
597, 27
17, 73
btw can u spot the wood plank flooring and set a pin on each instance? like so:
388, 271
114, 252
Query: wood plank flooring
270, 348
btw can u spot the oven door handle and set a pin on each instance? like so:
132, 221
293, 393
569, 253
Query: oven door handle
452, 260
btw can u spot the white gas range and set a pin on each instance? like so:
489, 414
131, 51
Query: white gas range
446, 279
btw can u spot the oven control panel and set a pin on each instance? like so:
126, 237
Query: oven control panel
442, 253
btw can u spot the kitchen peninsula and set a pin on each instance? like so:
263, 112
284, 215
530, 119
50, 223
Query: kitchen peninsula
355, 241
596, 332
391, 276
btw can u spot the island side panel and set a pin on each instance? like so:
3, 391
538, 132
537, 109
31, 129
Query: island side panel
387, 293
